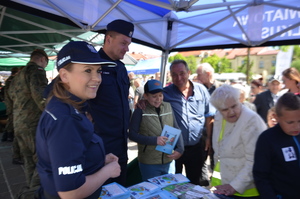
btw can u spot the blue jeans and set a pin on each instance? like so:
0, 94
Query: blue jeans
153, 170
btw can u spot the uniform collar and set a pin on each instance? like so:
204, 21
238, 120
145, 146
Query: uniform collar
77, 99
103, 55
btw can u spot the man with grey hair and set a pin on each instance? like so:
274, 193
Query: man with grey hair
205, 75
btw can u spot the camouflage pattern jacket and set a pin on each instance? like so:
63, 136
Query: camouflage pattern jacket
26, 93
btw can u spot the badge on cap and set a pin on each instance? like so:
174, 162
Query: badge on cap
130, 34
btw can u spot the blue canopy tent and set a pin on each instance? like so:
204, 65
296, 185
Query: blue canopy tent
181, 25
149, 66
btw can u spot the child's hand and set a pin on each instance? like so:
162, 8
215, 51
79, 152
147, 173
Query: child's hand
175, 155
161, 140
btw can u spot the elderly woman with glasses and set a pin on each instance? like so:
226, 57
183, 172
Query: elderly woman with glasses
235, 132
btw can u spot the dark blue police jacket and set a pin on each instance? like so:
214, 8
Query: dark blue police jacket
67, 148
110, 108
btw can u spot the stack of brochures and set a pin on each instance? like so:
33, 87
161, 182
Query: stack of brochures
114, 190
168, 179
142, 189
187, 191
161, 194
168, 186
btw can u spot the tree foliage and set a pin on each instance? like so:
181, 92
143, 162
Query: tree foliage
176, 57
296, 64
296, 53
220, 64
192, 63
190, 60
243, 67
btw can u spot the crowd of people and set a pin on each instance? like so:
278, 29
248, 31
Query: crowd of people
71, 135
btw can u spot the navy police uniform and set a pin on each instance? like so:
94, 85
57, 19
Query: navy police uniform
62, 131
110, 110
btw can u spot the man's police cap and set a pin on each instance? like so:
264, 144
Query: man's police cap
124, 27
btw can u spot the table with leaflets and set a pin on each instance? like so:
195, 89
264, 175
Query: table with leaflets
168, 186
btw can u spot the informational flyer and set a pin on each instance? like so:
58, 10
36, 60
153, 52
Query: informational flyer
168, 179
115, 191
160, 195
179, 189
142, 189
172, 134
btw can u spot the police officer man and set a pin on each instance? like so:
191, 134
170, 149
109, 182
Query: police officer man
110, 108
28, 104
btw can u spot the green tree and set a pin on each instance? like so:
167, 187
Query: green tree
296, 64
220, 64
243, 68
296, 55
176, 57
191, 61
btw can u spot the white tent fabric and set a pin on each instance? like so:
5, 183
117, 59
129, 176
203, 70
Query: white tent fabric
148, 66
178, 25
181, 24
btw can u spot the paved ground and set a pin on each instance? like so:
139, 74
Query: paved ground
12, 177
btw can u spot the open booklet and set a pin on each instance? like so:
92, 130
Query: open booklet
172, 134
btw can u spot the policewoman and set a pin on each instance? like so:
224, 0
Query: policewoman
71, 157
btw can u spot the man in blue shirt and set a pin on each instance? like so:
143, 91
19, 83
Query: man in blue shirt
193, 112
110, 108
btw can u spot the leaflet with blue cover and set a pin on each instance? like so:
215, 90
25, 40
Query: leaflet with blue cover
115, 191
168, 179
161, 194
172, 134
142, 189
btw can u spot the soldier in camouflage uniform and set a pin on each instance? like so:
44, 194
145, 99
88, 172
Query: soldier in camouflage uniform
8, 132
9, 128
26, 93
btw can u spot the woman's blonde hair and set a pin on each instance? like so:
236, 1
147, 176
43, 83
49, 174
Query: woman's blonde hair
60, 90
292, 74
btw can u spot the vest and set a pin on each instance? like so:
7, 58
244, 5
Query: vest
152, 125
